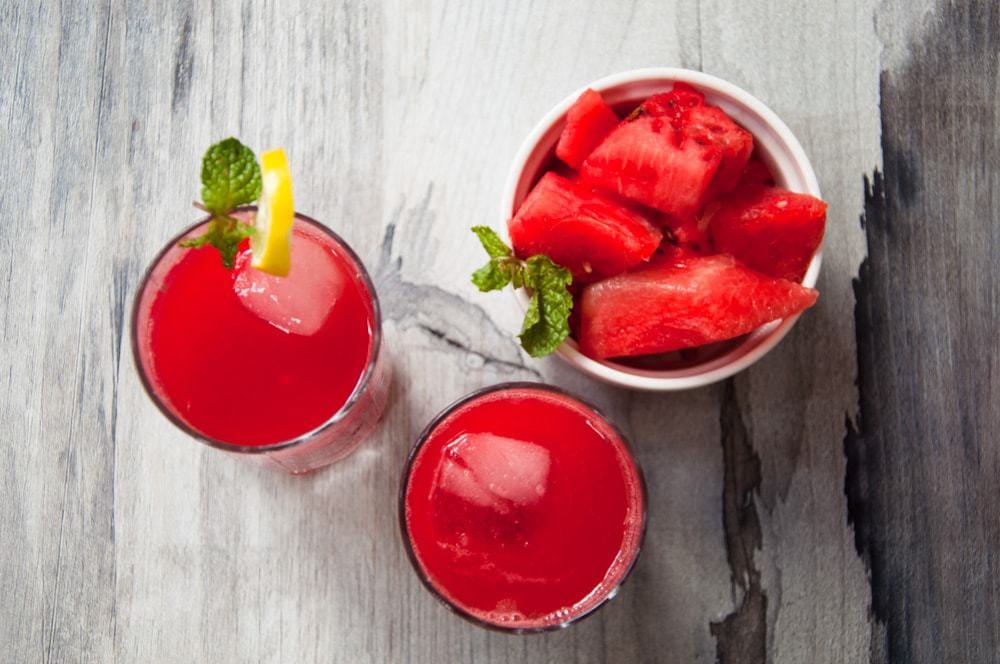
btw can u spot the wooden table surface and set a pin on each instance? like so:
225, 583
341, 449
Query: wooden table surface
838, 502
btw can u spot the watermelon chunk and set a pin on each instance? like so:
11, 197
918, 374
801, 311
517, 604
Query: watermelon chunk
673, 104
756, 174
688, 233
581, 229
645, 161
709, 125
588, 121
682, 300
771, 230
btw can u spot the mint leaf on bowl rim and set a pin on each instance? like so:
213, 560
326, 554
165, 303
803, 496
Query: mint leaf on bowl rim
546, 321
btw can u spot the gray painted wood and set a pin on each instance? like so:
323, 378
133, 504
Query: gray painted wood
923, 460
124, 541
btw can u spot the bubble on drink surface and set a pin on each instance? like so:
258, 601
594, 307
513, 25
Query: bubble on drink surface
494, 471
298, 303
505, 612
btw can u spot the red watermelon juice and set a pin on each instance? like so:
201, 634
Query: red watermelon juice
251, 362
522, 508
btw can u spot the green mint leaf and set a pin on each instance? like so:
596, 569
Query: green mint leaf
230, 176
546, 322
503, 266
491, 276
196, 241
223, 233
491, 242
518, 274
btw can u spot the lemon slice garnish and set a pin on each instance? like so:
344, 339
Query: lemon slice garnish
271, 244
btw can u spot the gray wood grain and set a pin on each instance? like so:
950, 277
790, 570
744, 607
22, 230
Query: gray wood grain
124, 541
923, 458
823, 82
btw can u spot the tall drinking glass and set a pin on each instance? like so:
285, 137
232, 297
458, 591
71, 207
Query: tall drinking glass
288, 370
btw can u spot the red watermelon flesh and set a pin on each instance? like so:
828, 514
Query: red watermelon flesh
710, 126
645, 161
581, 229
771, 230
674, 103
688, 233
682, 300
588, 121
756, 174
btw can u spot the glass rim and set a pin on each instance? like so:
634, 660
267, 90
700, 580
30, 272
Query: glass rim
610, 593
340, 414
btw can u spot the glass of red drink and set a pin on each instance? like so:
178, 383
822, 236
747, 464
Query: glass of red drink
522, 508
290, 369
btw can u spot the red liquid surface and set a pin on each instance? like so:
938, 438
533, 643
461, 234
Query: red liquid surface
524, 508
251, 359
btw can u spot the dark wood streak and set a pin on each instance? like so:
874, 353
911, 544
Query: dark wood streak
860, 456
445, 317
923, 460
741, 637
445, 338
183, 66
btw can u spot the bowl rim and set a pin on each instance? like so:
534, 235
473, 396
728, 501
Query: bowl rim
761, 340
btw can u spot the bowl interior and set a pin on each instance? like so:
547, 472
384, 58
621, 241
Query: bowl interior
774, 143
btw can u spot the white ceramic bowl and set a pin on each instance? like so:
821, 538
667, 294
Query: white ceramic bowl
781, 152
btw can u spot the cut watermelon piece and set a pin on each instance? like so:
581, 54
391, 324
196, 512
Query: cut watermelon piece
682, 300
707, 125
771, 230
644, 161
756, 174
673, 104
710, 126
588, 121
581, 229
688, 233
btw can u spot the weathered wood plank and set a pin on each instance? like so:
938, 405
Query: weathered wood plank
924, 461
58, 566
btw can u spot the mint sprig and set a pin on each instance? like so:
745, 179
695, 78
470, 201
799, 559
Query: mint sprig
225, 234
230, 177
546, 322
